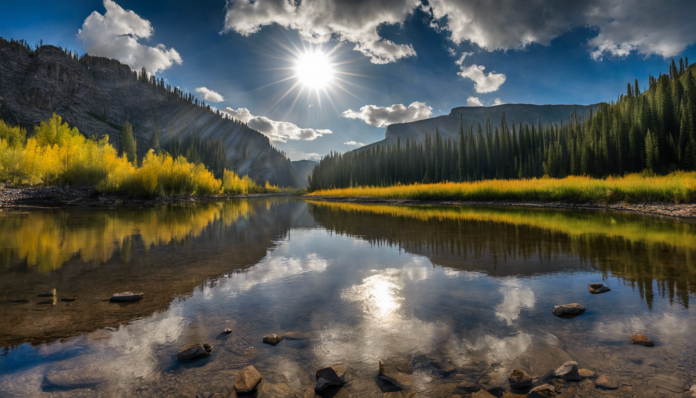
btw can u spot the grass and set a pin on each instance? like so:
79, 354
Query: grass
677, 187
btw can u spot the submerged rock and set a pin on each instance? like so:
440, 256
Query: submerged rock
568, 371
568, 310
466, 387
641, 339
606, 382
227, 331
331, 376
19, 301
194, 351
519, 379
68, 299
247, 380
74, 378
444, 366
126, 297
586, 373
543, 391
482, 394
597, 288
390, 372
272, 339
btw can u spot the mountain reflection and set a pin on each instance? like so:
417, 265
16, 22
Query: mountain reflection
656, 256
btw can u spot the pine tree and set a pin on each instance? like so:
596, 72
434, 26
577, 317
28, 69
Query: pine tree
155, 140
127, 142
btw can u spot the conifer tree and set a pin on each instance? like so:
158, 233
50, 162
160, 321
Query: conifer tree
127, 142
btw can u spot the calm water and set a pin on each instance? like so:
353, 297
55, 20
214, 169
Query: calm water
472, 286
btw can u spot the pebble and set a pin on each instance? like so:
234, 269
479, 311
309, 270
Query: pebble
606, 382
641, 339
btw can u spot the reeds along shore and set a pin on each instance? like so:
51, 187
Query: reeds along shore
59, 155
677, 187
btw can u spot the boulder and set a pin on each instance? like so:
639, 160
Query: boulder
597, 288
519, 379
247, 380
640, 339
126, 297
272, 339
392, 374
568, 371
543, 391
568, 310
586, 373
331, 376
466, 387
606, 382
194, 351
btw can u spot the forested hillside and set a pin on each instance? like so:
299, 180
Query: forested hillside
651, 130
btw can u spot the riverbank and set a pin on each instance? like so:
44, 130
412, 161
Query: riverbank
60, 197
677, 210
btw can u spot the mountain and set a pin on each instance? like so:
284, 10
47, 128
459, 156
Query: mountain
303, 168
448, 125
97, 95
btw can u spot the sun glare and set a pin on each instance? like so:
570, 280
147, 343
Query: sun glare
314, 70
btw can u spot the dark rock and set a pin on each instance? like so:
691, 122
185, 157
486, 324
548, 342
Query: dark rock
194, 351
330, 376
126, 297
466, 387
247, 380
568, 310
597, 288
606, 382
272, 339
53, 293
640, 339
444, 366
391, 373
543, 391
519, 379
568, 371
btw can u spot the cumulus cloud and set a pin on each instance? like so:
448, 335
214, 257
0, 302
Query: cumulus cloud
498, 101
354, 143
319, 21
483, 82
274, 130
473, 101
115, 35
646, 26
382, 116
209, 95
451, 51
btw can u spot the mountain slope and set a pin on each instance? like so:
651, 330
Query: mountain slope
448, 125
303, 168
97, 95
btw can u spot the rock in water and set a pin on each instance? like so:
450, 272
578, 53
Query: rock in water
606, 382
194, 351
568, 310
126, 297
586, 373
247, 380
336, 375
272, 339
568, 371
543, 391
227, 331
391, 374
482, 394
466, 387
597, 288
519, 379
642, 340
444, 366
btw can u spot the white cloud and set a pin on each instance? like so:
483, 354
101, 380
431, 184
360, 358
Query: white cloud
354, 143
382, 116
645, 26
461, 59
319, 21
497, 102
115, 35
209, 95
483, 82
452, 52
274, 130
473, 101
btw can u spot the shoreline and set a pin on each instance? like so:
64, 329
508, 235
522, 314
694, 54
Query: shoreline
50, 198
663, 209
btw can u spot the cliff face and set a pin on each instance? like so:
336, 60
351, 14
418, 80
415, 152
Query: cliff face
97, 95
448, 125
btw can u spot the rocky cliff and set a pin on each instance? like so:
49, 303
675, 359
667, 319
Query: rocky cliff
97, 95
448, 125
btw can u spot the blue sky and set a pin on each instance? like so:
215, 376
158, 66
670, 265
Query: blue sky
539, 51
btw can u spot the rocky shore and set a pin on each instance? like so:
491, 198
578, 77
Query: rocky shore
59, 197
677, 210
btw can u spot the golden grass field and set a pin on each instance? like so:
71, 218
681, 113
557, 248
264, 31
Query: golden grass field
677, 187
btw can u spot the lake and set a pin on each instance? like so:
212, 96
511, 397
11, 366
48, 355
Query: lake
472, 288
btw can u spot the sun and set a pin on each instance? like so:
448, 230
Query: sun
314, 69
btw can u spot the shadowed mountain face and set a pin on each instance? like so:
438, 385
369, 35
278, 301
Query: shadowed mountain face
98, 95
448, 125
